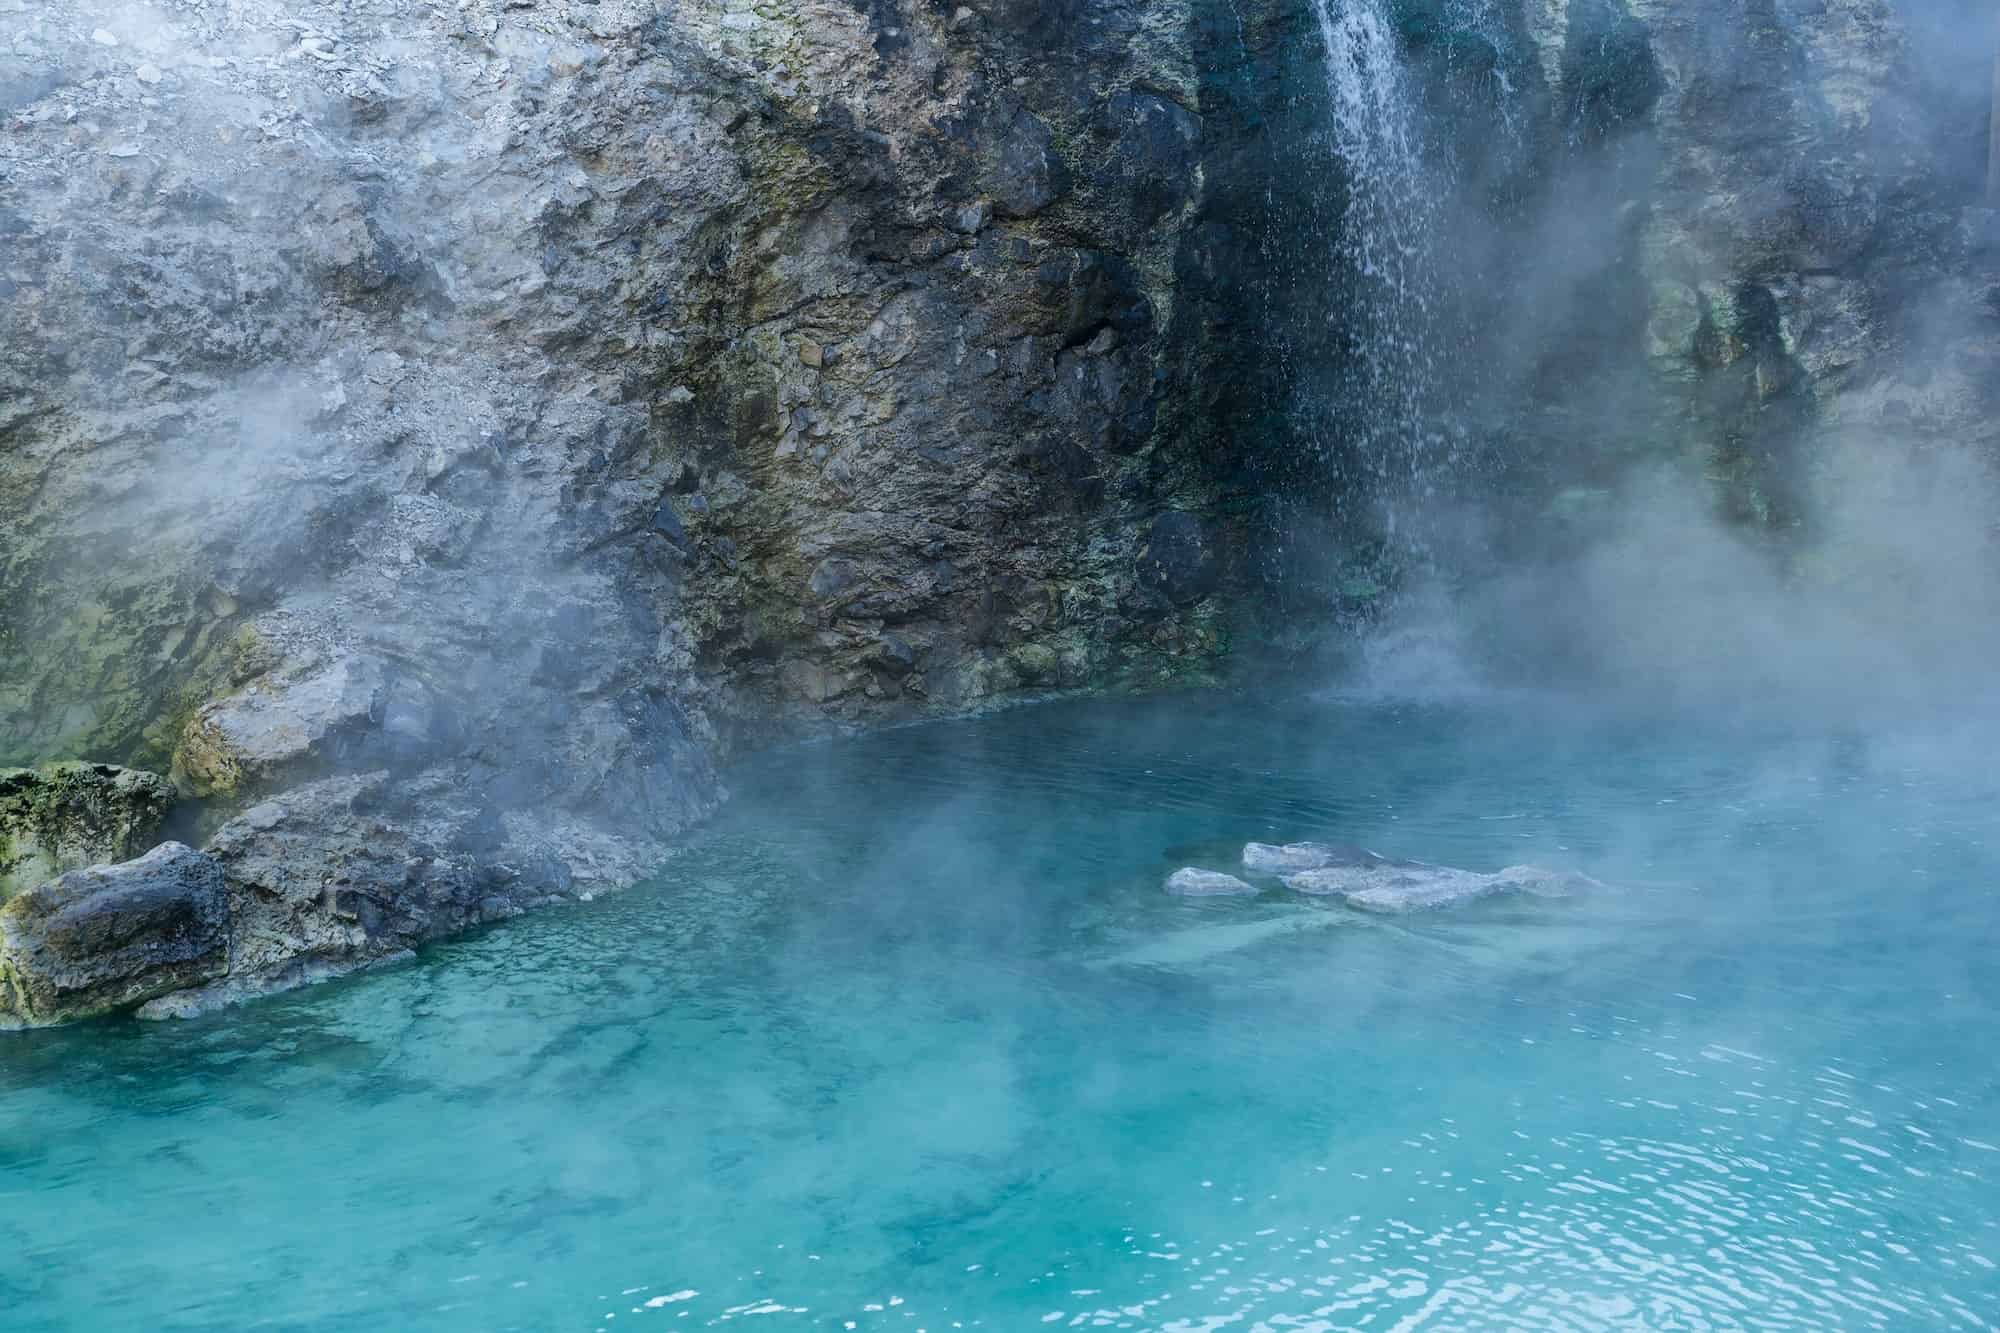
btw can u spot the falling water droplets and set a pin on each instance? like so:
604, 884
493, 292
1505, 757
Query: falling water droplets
1388, 233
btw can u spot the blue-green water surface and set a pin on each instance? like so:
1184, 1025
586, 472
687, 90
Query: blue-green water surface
911, 1039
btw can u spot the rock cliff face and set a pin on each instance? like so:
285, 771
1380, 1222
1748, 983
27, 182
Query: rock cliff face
520, 403
1805, 207
1723, 267
1762, 384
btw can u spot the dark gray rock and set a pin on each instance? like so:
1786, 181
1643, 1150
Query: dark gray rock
668, 523
833, 578
98, 940
1025, 174
1155, 152
23, 83
351, 871
1099, 291
1178, 560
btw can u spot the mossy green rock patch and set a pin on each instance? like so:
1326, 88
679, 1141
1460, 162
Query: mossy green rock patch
68, 816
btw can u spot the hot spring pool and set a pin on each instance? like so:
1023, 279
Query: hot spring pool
911, 1039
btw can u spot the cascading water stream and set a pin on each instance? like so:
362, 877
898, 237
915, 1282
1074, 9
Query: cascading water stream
1395, 401
1483, 21
1387, 234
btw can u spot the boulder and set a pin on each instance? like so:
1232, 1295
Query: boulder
242, 741
69, 816
1264, 858
352, 869
102, 939
1407, 886
1193, 883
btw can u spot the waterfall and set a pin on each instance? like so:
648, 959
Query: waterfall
1387, 233
1397, 399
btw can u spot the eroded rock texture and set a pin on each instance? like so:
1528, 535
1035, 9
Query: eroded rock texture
521, 402
102, 939
69, 816
1804, 215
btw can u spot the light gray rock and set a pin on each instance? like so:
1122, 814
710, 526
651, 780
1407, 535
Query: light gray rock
1403, 886
251, 738
1265, 858
1194, 883
98, 940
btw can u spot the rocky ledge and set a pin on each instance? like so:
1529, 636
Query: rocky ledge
320, 880
97, 940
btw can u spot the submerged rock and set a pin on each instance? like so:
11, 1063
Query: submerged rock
1409, 886
98, 940
1264, 858
1192, 883
69, 816
1190, 947
1378, 883
202, 1000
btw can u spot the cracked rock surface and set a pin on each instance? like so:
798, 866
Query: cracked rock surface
437, 435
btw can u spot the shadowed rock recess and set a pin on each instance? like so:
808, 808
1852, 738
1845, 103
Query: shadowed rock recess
436, 437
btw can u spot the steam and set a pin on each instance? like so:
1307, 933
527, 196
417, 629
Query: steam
1740, 372
283, 417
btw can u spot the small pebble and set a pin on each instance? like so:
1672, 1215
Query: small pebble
147, 73
103, 38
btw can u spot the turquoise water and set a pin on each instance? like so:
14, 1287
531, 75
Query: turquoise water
912, 1040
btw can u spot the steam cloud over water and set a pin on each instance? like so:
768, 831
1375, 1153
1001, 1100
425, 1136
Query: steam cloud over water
446, 431
1707, 351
